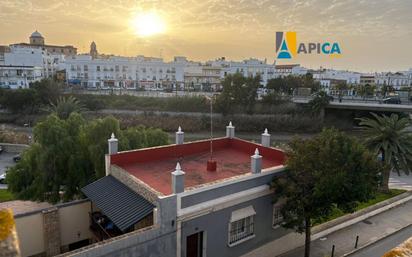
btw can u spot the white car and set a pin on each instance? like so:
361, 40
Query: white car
3, 178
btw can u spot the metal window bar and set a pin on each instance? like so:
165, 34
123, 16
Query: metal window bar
277, 216
241, 229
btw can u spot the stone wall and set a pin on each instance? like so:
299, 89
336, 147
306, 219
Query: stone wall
51, 231
134, 184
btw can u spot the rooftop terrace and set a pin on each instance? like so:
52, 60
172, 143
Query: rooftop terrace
153, 166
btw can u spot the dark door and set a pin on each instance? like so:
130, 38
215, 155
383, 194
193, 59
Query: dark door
194, 245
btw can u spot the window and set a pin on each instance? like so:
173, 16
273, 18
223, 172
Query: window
241, 226
277, 216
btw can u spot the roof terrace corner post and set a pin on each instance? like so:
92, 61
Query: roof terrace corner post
266, 138
113, 149
113, 144
180, 136
256, 162
178, 180
230, 130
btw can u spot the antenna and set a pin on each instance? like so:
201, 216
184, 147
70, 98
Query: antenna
211, 164
211, 127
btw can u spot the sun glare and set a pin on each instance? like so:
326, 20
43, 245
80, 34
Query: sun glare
148, 24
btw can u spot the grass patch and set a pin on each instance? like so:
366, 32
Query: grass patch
380, 196
5, 195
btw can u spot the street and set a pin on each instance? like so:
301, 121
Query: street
381, 247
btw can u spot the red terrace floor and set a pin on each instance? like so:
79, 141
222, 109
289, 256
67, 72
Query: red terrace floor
154, 165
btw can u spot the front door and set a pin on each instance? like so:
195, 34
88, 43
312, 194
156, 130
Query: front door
194, 245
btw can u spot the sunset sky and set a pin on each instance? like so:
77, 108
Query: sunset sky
374, 35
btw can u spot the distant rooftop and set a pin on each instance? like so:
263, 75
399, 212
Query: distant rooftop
153, 166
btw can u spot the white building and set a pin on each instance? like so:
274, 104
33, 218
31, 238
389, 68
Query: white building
19, 76
24, 56
351, 78
124, 72
201, 77
397, 80
284, 70
249, 67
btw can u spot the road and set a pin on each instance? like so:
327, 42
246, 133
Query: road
381, 247
6, 160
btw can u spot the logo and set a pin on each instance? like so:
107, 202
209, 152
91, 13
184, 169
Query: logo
287, 46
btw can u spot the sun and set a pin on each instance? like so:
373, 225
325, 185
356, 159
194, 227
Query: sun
148, 24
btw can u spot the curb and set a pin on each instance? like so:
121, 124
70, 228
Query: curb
351, 219
375, 241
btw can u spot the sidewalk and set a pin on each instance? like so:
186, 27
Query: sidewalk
368, 230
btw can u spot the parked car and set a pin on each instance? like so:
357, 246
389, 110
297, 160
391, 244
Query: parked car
1, 149
3, 178
392, 100
17, 158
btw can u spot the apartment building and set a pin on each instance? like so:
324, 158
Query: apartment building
14, 77
290, 69
199, 77
249, 67
351, 78
397, 80
124, 72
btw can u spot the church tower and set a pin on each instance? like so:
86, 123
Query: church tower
93, 50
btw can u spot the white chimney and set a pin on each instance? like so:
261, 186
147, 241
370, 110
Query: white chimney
178, 180
113, 144
180, 135
230, 131
256, 162
266, 138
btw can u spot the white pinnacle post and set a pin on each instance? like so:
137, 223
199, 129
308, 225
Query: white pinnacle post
230, 130
180, 135
113, 144
256, 162
178, 180
265, 138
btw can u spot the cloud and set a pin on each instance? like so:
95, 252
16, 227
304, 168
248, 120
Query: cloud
207, 27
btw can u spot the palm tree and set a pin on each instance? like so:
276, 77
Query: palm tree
389, 137
65, 106
319, 102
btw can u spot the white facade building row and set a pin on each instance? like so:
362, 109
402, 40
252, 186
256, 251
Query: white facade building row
154, 73
15, 77
249, 67
125, 72
22, 66
396, 80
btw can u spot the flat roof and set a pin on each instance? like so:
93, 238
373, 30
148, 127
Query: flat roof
153, 166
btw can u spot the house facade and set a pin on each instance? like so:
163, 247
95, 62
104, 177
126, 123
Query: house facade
196, 201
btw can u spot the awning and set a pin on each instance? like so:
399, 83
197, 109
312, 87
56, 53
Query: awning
119, 203
242, 213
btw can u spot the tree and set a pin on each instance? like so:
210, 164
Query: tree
318, 104
366, 90
21, 101
330, 170
389, 137
47, 91
30, 100
68, 154
66, 106
56, 161
238, 91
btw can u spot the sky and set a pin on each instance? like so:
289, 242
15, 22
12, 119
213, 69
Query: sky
374, 35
